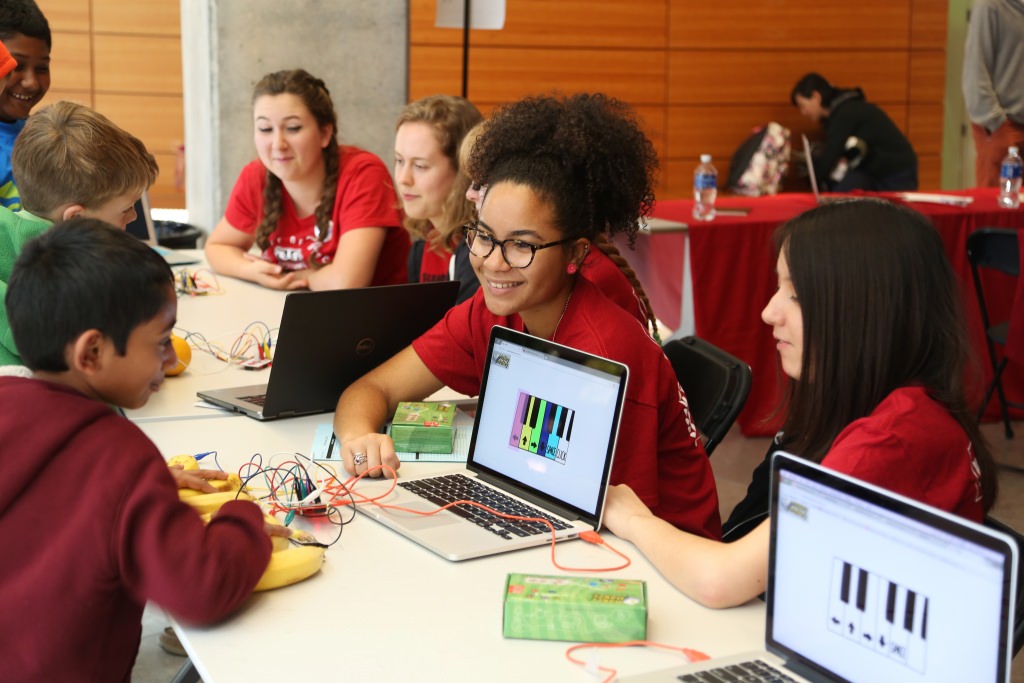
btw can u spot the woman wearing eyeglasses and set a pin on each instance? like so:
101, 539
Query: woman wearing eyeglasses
324, 215
586, 171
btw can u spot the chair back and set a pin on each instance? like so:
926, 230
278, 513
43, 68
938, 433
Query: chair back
1018, 608
716, 385
994, 248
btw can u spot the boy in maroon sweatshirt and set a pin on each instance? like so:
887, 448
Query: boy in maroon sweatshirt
91, 525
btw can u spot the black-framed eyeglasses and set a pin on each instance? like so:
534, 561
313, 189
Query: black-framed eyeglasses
517, 253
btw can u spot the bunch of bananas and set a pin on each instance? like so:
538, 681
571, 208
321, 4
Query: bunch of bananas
288, 564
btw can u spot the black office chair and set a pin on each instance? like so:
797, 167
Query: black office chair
1018, 608
996, 249
716, 385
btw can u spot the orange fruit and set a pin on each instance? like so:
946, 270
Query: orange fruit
181, 348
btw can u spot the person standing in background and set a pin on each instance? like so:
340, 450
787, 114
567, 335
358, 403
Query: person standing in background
993, 83
25, 33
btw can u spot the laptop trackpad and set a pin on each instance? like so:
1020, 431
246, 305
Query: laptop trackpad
410, 520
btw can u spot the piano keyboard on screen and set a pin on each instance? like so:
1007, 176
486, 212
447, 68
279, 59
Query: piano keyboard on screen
542, 427
887, 618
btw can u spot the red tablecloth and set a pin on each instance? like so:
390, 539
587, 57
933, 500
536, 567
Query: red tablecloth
733, 270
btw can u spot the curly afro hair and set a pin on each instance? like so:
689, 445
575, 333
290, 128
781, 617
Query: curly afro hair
584, 154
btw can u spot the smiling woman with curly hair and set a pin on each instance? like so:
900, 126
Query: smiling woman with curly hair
561, 172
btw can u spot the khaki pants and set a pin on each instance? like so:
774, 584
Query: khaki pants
991, 148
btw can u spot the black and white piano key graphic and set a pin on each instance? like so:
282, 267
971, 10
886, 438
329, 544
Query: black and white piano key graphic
890, 619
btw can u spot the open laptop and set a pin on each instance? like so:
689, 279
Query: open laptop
866, 585
329, 339
543, 435
809, 160
142, 227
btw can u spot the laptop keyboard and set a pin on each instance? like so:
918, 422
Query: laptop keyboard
452, 487
754, 671
258, 399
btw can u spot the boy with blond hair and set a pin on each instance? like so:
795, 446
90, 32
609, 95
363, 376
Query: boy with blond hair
69, 160
92, 310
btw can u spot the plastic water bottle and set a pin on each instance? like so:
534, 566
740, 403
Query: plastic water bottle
705, 189
1009, 180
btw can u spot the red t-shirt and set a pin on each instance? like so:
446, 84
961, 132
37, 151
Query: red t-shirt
659, 453
434, 264
911, 445
365, 198
599, 268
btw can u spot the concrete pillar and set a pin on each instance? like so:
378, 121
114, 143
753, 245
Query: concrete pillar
359, 49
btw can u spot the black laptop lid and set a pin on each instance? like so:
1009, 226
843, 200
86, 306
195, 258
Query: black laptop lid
327, 340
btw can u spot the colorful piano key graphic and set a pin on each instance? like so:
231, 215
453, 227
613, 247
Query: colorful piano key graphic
889, 619
542, 427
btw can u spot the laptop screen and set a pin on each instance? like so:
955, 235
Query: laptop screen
867, 586
547, 420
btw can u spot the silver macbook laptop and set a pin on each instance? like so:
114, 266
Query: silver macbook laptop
866, 586
143, 228
329, 339
542, 446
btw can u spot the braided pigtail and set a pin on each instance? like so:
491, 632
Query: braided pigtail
325, 209
271, 210
604, 244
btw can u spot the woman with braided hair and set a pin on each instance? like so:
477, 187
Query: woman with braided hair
560, 174
324, 215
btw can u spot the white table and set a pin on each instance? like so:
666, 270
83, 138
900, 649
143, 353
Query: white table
383, 608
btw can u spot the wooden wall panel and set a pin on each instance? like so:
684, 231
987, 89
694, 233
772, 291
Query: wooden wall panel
66, 15
151, 17
71, 61
783, 24
924, 127
58, 94
123, 57
929, 172
137, 64
505, 74
565, 23
435, 70
927, 76
767, 77
154, 119
928, 24
163, 193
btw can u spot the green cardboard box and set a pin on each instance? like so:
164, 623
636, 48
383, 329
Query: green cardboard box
575, 608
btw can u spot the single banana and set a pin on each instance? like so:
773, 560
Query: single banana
211, 502
291, 566
187, 462
232, 483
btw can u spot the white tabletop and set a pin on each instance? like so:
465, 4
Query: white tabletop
383, 608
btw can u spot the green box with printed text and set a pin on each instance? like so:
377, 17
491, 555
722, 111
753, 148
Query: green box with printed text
575, 608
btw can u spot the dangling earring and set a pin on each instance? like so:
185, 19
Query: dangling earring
571, 268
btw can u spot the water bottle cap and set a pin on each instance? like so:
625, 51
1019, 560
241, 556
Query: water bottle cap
705, 158
1013, 149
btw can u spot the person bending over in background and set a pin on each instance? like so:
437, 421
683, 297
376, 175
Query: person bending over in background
559, 172
324, 215
868, 326
864, 149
